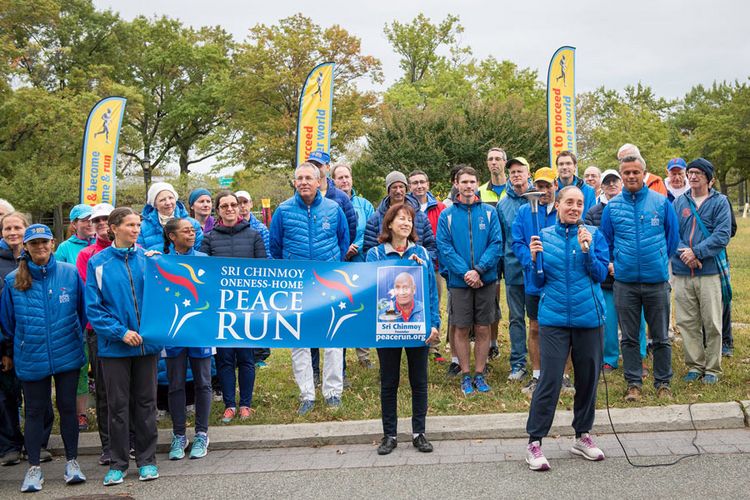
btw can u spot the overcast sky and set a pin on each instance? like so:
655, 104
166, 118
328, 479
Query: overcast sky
670, 45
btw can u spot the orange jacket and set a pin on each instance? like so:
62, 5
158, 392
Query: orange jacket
655, 183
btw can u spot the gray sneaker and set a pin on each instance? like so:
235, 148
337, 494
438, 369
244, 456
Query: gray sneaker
567, 386
586, 448
517, 374
13, 457
530, 387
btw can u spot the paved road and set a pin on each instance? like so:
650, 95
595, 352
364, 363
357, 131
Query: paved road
477, 469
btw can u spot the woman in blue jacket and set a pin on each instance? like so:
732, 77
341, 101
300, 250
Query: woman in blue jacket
398, 241
179, 239
129, 365
571, 319
42, 311
162, 205
233, 237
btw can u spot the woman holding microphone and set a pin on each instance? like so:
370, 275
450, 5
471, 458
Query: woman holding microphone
398, 241
571, 317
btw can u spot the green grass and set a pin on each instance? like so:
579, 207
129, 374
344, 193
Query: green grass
275, 399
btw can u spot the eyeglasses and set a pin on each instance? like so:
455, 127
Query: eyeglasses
99, 219
610, 181
695, 172
233, 206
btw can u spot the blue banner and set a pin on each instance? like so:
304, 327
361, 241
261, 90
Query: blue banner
221, 302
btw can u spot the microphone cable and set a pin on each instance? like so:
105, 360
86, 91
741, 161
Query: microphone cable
698, 452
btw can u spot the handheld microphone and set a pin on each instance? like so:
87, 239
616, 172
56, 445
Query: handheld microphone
585, 244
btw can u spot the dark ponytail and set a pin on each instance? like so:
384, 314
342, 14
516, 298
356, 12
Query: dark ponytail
170, 227
115, 219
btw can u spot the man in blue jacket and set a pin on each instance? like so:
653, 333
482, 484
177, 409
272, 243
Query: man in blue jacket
567, 164
705, 227
328, 189
507, 208
470, 245
395, 187
308, 226
642, 231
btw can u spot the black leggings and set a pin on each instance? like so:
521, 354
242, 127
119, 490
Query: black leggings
390, 373
37, 397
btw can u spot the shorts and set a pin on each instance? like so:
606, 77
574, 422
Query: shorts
532, 306
473, 306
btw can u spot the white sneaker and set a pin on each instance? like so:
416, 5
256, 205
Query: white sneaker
586, 447
535, 457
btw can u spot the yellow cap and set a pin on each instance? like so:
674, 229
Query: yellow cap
545, 174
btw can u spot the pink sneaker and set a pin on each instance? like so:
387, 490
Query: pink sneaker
586, 447
535, 457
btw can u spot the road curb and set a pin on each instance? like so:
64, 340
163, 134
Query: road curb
729, 415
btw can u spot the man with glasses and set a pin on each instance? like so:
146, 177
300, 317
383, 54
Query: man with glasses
491, 191
642, 230
705, 228
308, 226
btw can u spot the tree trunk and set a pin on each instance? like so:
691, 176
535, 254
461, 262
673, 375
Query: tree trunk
58, 223
184, 158
741, 195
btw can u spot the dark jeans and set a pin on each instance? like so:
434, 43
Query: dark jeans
315, 356
176, 373
653, 299
131, 382
585, 348
38, 397
516, 298
11, 438
226, 361
390, 374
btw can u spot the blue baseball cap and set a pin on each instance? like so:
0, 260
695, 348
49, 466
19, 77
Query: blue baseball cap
37, 232
80, 212
320, 157
676, 163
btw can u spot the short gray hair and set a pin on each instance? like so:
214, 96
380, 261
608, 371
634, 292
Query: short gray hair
628, 149
598, 170
307, 164
632, 158
6, 205
340, 165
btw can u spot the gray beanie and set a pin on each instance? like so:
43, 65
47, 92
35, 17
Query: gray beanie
394, 176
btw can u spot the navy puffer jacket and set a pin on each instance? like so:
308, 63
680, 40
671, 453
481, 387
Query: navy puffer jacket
239, 240
46, 321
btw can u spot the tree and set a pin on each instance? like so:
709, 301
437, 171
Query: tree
177, 80
269, 70
608, 119
418, 43
438, 138
715, 123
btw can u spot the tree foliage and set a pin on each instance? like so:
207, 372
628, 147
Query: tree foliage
269, 70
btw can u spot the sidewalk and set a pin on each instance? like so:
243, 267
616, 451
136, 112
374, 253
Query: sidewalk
729, 415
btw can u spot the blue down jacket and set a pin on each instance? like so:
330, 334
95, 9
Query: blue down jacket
114, 304
152, 233
46, 321
318, 232
570, 282
642, 231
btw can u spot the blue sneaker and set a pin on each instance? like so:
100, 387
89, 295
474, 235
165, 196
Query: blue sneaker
73, 473
333, 402
480, 384
727, 351
114, 476
148, 473
710, 379
200, 446
305, 407
517, 374
33, 480
691, 376
467, 385
261, 364
179, 445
